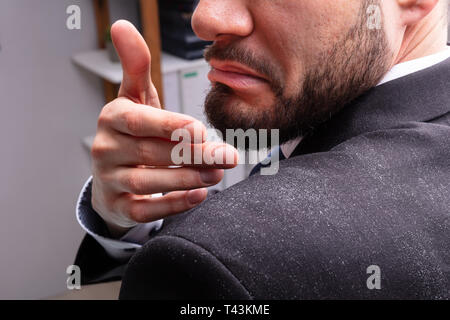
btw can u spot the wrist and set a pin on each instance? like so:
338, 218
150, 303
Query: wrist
117, 231
117, 225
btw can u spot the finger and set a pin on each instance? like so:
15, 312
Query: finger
140, 181
136, 64
129, 151
143, 210
138, 120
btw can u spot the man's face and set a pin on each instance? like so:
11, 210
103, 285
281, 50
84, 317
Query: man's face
287, 64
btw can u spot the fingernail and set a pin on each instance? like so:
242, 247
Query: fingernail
196, 196
210, 176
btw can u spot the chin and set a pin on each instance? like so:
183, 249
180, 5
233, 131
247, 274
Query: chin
228, 109
248, 103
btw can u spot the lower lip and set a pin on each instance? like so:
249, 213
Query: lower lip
237, 81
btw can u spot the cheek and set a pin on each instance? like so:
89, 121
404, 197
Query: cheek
297, 33
283, 47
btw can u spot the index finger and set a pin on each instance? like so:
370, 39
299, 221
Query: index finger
139, 120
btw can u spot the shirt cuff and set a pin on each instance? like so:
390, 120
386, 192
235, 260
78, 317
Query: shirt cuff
120, 249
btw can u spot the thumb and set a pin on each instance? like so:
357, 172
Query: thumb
136, 64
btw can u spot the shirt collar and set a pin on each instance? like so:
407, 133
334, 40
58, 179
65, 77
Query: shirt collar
416, 65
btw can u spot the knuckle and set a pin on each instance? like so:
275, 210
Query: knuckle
106, 115
100, 148
185, 181
179, 205
174, 206
136, 212
105, 177
167, 126
170, 123
143, 152
133, 121
133, 183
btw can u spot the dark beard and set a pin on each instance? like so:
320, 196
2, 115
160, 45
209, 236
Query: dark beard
356, 63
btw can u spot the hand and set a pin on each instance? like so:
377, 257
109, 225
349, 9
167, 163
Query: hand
132, 148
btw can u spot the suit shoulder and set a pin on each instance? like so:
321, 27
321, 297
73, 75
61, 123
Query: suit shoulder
311, 230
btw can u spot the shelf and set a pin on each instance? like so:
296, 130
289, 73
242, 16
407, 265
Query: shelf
98, 63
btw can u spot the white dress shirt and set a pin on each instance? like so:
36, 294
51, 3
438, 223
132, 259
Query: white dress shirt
125, 247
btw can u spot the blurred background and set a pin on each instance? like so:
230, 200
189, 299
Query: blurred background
54, 80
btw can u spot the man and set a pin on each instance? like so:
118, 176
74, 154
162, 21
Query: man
361, 207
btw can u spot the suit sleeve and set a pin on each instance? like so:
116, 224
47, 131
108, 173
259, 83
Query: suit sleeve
174, 268
100, 257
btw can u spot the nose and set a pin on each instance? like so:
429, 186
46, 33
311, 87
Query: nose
216, 19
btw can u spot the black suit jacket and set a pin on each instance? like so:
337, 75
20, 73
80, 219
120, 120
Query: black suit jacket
369, 187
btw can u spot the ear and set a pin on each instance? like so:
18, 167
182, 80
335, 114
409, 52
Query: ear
412, 11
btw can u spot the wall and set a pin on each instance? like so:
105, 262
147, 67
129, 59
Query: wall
48, 105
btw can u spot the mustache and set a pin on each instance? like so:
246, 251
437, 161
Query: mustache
233, 52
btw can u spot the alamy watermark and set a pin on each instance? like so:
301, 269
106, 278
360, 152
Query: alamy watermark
190, 151
74, 280
374, 17
73, 21
374, 280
